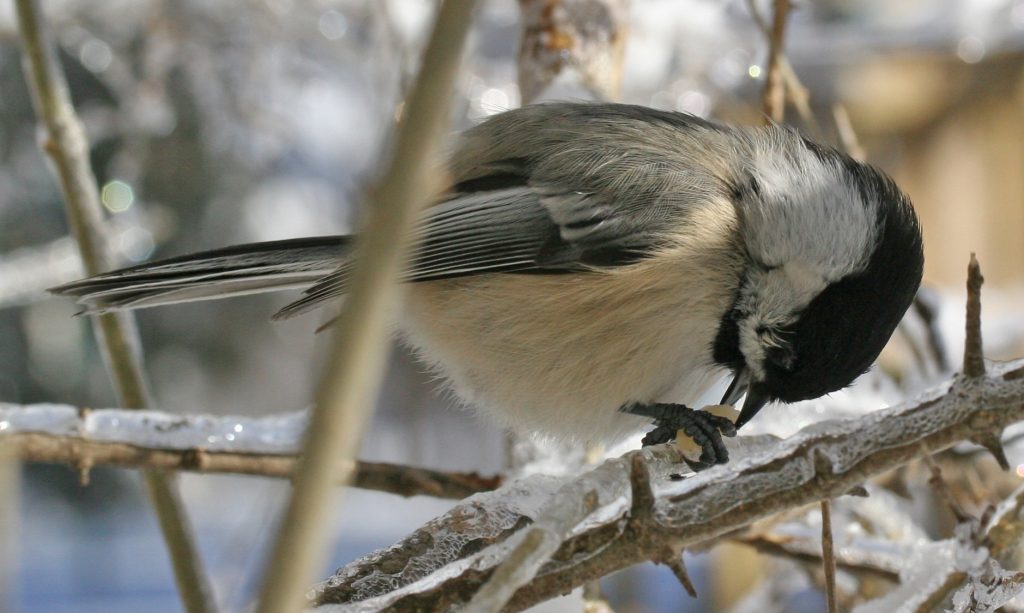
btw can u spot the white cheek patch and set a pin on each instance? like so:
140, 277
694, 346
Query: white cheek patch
806, 212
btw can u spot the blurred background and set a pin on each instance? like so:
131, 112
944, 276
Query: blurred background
213, 123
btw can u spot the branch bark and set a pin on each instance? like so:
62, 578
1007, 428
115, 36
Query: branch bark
828, 556
795, 90
67, 147
774, 94
823, 461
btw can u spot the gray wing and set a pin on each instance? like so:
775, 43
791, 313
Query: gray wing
556, 188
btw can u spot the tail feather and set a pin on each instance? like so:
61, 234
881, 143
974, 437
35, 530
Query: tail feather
222, 273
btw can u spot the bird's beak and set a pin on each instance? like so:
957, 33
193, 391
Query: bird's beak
756, 397
738, 387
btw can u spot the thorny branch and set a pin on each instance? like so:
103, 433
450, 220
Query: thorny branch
823, 461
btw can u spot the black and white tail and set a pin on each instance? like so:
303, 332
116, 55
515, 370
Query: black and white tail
222, 273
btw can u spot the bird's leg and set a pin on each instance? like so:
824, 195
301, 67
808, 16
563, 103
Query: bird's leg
704, 428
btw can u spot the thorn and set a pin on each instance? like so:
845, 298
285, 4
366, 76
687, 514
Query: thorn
674, 560
993, 445
974, 356
640, 486
84, 467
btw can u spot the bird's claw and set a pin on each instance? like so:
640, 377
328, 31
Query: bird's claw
704, 428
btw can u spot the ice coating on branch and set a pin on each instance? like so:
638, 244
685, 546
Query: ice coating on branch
469, 536
275, 434
925, 572
959, 567
58, 419
989, 588
835, 446
475, 535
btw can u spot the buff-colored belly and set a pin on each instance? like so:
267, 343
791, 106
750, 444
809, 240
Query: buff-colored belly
560, 354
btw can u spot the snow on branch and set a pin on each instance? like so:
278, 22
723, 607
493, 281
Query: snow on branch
265, 446
445, 562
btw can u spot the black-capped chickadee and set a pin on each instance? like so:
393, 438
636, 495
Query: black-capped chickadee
596, 266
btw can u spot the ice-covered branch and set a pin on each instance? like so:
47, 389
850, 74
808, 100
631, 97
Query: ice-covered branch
965, 570
200, 443
465, 546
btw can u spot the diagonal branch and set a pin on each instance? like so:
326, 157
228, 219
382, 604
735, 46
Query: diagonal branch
356, 364
820, 462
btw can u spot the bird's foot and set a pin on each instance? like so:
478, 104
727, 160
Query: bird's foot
705, 429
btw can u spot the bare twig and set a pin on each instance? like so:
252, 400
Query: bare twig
354, 370
773, 97
66, 145
795, 90
828, 556
849, 559
944, 492
78, 451
974, 357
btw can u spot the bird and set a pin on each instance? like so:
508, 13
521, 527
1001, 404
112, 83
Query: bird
592, 269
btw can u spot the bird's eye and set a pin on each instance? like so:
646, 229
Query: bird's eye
781, 357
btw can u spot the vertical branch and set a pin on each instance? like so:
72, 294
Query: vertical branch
348, 389
795, 90
974, 357
10, 490
773, 97
66, 145
828, 556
